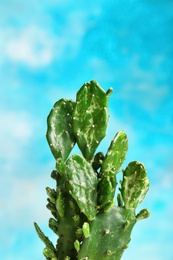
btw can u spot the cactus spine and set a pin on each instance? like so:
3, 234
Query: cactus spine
86, 218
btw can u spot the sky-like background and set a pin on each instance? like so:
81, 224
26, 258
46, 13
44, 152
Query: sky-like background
48, 49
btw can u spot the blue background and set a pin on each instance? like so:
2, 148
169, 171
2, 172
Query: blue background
48, 49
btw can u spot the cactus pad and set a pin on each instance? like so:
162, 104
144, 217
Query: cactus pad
59, 132
109, 235
135, 184
82, 184
90, 117
110, 167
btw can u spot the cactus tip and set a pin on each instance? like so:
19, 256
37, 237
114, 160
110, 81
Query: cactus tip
109, 92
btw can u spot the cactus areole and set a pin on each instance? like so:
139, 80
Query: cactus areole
90, 223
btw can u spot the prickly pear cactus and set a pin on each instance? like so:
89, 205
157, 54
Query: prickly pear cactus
88, 219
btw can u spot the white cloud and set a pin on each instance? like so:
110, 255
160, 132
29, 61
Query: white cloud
146, 94
142, 87
36, 47
22, 196
16, 130
30, 45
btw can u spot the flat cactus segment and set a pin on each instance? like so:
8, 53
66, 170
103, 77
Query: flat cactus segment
82, 182
90, 117
110, 167
135, 184
109, 235
116, 154
59, 133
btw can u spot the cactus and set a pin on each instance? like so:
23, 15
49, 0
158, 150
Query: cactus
90, 218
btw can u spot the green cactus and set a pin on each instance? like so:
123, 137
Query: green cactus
90, 223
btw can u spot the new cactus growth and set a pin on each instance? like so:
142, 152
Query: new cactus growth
90, 223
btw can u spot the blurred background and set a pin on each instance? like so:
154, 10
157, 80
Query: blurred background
48, 49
